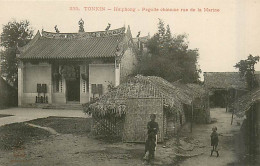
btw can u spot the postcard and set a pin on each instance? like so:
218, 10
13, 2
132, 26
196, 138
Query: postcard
119, 82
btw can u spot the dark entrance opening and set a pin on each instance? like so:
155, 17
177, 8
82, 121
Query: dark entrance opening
218, 99
73, 90
72, 83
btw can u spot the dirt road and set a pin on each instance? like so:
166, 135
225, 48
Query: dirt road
191, 149
230, 141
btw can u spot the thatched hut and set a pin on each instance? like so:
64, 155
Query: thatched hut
200, 102
200, 95
245, 102
248, 106
125, 110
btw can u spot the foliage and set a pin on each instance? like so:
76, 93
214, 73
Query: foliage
169, 57
110, 86
15, 34
247, 70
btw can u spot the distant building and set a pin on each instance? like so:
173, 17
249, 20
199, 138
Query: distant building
224, 87
60, 68
141, 42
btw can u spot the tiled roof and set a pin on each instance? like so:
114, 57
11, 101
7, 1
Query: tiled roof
74, 46
31, 43
224, 80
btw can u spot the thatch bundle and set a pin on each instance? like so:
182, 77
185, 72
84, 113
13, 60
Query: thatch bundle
198, 93
197, 90
243, 104
114, 102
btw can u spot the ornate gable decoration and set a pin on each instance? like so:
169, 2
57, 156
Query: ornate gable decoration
84, 35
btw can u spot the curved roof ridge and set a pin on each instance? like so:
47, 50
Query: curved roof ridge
95, 34
78, 38
32, 42
84, 32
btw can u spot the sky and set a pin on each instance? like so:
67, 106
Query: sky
224, 35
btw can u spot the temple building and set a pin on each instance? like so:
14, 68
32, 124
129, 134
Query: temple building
62, 68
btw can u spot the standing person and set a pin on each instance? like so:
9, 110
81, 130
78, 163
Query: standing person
214, 141
150, 145
151, 141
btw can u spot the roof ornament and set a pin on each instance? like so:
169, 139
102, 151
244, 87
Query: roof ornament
108, 26
138, 34
81, 25
56, 29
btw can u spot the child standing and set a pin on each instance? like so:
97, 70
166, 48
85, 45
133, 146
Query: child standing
214, 141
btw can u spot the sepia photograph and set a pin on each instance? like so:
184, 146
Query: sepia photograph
129, 83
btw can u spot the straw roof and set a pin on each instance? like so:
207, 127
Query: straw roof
198, 93
139, 87
243, 104
224, 80
193, 90
197, 90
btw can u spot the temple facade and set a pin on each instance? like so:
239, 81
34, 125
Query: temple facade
60, 68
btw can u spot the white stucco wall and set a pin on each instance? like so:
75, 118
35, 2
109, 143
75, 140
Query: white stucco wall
31, 75
60, 96
101, 74
117, 74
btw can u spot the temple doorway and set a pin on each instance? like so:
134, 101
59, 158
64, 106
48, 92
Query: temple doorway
73, 90
71, 74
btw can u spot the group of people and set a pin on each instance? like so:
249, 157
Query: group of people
151, 141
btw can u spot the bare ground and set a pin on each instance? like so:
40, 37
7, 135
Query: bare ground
231, 146
71, 148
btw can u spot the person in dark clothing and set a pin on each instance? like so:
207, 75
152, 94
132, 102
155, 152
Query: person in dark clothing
150, 144
153, 126
214, 141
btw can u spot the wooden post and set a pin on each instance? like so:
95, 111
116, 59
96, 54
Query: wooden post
208, 91
227, 100
232, 117
191, 116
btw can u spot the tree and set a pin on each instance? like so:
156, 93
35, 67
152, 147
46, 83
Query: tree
15, 34
247, 70
169, 57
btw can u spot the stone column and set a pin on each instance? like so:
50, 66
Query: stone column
50, 86
117, 72
20, 82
